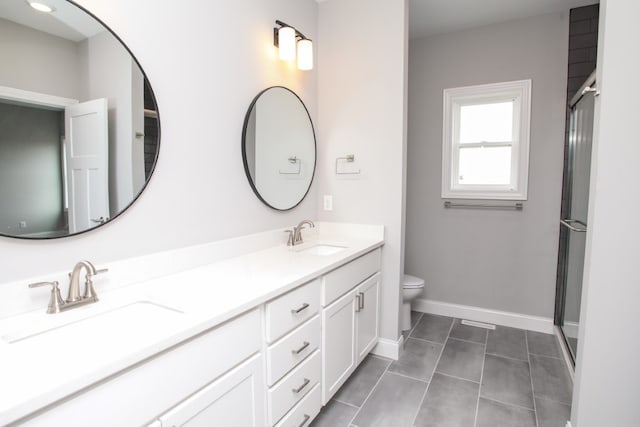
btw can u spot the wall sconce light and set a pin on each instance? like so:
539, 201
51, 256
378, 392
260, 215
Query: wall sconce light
288, 40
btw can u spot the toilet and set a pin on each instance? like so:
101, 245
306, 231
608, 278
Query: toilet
411, 287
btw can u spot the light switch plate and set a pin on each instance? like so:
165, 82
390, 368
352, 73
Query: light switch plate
328, 202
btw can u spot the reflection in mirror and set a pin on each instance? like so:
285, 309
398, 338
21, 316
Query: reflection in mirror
79, 129
279, 148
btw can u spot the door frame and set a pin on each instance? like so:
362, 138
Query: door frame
35, 98
561, 275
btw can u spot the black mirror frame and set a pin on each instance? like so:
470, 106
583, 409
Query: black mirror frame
244, 151
155, 160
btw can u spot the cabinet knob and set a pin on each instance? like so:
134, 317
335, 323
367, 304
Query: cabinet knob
304, 420
302, 308
302, 386
305, 344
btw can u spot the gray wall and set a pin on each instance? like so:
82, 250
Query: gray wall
39, 62
30, 150
492, 259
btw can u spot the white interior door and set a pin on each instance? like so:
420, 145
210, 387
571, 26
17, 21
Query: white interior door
86, 146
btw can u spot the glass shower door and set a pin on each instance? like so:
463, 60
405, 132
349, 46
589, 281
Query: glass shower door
575, 220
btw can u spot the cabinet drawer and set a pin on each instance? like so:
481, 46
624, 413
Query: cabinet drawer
285, 354
295, 385
304, 412
290, 310
342, 279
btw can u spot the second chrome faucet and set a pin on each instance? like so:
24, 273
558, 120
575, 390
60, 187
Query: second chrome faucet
74, 298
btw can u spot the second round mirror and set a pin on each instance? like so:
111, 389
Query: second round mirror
279, 148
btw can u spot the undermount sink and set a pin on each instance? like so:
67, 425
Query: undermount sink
321, 249
135, 317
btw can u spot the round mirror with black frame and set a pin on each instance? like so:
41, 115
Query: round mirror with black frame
79, 124
279, 148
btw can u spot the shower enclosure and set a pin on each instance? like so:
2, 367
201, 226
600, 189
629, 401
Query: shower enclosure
574, 219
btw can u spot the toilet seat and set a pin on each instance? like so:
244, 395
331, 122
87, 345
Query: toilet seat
412, 282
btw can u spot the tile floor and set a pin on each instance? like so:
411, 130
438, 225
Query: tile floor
451, 374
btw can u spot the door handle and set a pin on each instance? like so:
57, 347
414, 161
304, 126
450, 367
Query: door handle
358, 302
569, 224
100, 220
361, 300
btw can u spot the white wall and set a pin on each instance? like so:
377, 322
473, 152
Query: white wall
361, 111
205, 61
607, 383
493, 259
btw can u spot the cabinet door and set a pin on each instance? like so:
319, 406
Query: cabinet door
338, 346
234, 400
367, 316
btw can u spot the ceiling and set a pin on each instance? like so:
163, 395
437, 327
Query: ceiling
67, 21
431, 17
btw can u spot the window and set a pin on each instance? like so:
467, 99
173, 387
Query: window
486, 141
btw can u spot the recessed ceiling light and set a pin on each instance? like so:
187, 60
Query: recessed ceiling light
41, 7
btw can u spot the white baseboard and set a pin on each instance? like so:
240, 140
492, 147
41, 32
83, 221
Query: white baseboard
388, 348
496, 317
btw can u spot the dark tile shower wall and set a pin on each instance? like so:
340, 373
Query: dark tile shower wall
150, 132
583, 46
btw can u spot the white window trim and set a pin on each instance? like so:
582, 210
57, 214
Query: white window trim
520, 91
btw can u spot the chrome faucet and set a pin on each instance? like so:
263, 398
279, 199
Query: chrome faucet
74, 282
297, 235
74, 299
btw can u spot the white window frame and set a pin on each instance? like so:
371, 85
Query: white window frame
518, 91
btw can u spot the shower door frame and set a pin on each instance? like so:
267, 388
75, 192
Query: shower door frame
561, 277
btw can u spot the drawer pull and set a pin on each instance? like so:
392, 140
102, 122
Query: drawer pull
302, 308
304, 420
304, 384
305, 344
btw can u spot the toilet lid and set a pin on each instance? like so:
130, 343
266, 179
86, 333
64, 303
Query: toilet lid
409, 282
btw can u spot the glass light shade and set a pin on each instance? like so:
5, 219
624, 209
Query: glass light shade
305, 54
287, 43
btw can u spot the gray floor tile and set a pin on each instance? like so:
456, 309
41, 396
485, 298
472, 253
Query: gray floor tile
551, 379
394, 402
462, 359
449, 402
494, 414
415, 318
508, 342
543, 344
552, 414
507, 380
362, 381
335, 414
417, 360
433, 328
468, 333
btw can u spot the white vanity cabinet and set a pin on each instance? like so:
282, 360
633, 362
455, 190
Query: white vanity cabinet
350, 321
214, 375
278, 358
293, 359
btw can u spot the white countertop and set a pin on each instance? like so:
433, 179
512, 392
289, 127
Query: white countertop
111, 335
